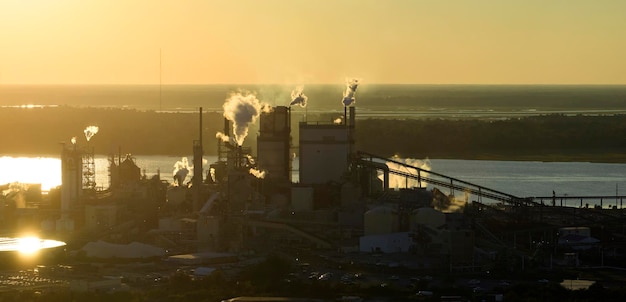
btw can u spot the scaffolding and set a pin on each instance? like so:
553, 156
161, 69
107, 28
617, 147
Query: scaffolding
89, 170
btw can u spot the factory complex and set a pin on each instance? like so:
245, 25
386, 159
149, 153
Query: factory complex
348, 212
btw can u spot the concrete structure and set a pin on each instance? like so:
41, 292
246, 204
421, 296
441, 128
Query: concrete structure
380, 220
386, 243
72, 188
208, 231
325, 150
427, 216
274, 144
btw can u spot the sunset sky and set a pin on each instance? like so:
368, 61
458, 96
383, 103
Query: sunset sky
312, 41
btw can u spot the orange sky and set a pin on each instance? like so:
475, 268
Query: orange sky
312, 41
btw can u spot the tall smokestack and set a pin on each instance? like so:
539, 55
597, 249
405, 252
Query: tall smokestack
226, 127
351, 129
352, 118
197, 166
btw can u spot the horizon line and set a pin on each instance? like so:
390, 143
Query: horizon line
318, 83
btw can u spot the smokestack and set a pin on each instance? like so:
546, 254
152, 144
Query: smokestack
200, 128
197, 166
198, 152
352, 117
351, 124
226, 127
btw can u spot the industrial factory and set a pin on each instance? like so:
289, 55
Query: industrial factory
318, 193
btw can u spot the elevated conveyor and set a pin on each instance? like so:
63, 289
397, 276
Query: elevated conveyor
436, 179
543, 205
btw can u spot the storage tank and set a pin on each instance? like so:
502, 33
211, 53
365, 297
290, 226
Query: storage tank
380, 220
427, 216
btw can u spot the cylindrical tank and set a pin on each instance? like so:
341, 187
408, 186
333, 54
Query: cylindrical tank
427, 216
380, 220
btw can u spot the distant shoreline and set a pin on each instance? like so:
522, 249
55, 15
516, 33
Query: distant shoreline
554, 138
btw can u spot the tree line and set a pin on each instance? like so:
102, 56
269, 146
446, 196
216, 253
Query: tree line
41, 131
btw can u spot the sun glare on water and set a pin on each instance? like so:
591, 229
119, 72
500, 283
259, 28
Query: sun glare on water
41, 170
27, 245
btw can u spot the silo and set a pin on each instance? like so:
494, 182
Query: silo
380, 220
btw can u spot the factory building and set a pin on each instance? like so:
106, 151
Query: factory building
274, 145
325, 150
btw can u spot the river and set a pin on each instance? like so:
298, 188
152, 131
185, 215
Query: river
519, 178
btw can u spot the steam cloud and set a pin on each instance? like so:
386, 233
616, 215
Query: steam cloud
243, 110
397, 181
257, 173
181, 170
250, 159
449, 203
90, 131
338, 120
298, 97
348, 95
73, 140
225, 138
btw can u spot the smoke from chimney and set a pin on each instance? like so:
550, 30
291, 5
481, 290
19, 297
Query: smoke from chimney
348, 95
449, 203
90, 131
298, 97
181, 170
221, 136
243, 110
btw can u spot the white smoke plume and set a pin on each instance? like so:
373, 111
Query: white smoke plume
257, 173
397, 181
250, 159
73, 140
348, 95
449, 203
225, 138
212, 173
181, 170
338, 121
298, 97
243, 110
90, 131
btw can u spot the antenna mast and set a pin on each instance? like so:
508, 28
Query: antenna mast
160, 82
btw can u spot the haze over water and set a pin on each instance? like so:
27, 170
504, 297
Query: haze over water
380, 101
